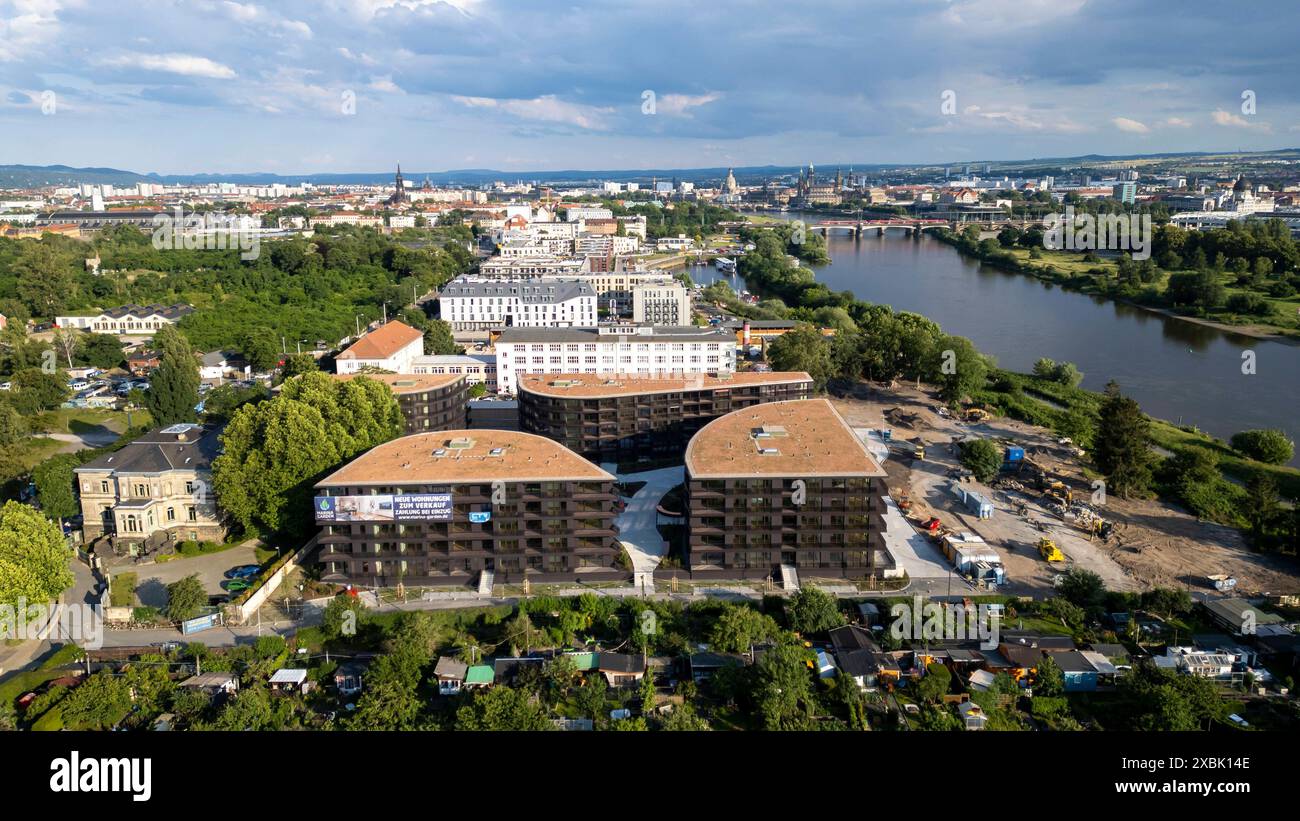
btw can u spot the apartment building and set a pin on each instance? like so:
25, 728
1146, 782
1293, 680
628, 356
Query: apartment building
623, 351
476, 368
523, 267
666, 303
156, 489
607, 418
614, 288
390, 347
785, 489
469, 304
428, 402
453, 507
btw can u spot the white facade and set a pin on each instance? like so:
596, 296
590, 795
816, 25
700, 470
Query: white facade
475, 369
579, 212
662, 304
644, 352
476, 304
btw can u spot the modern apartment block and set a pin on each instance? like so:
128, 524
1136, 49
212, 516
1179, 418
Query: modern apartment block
444, 508
785, 489
154, 490
428, 402
612, 418
613, 351
663, 304
476, 304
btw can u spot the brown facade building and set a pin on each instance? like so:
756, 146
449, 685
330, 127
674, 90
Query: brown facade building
606, 417
454, 507
428, 402
786, 489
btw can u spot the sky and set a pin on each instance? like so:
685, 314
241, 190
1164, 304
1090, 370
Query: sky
315, 86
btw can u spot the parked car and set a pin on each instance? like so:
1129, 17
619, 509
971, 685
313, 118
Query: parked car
235, 585
243, 571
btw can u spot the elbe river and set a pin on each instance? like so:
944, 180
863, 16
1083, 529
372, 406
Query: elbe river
1177, 370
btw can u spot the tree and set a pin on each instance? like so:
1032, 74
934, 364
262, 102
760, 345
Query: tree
502, 708
783, 688
13, 427
1082, 587
935, 684
390, 700
1121, 447
812, 610
100, 351
55, 486
296, 364
957, 368
34, 557
739, 628
185, 598
521, 634
259, 349
438, 339
174, 385
100, 702
684, 719
35, 390
1048, 678
1262, 504
342, 616
982, 458
44, 278
802, 349
1269, 446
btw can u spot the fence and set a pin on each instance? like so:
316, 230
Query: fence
243, 611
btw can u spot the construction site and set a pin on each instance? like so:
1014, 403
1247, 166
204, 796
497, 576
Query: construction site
1042, 514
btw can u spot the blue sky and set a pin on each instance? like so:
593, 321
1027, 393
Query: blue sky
216, 86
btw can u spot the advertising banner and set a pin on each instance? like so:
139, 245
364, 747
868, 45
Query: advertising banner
407, 507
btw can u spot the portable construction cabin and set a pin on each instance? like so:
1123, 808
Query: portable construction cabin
977, 504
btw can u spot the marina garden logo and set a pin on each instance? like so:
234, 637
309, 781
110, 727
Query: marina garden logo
943, 621
1098, 232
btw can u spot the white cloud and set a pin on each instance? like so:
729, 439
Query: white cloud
547, 108
35, 24
677, 105
187, 65
1178, 122
1227, 118
1131, 126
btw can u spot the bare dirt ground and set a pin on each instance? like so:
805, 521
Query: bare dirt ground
1154, 544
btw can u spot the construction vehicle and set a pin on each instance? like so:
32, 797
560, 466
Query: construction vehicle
976, 415
1059, 491
915, 450
1048, 550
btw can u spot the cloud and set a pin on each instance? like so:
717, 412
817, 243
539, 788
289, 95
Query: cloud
1230, 120
547, 108
186, 65
35, 24
1131, 126
1177, 122
677, 105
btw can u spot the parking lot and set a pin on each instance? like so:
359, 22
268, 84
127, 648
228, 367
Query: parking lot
152, 579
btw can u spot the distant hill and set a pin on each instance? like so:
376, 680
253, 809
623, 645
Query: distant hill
29, 176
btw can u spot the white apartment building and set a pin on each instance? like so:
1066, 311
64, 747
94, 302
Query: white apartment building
524, 267
666, 303
577, 213
640, 352
602, 245
634, 226
476, 368
477, 304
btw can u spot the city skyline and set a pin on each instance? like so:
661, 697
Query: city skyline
517, 87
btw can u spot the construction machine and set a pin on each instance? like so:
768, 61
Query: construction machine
1049, 551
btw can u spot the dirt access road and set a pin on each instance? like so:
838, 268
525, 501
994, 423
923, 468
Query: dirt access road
1154, 544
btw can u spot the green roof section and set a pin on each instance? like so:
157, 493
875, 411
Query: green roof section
479, 674
584, 661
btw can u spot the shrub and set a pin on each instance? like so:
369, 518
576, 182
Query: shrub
1269, 446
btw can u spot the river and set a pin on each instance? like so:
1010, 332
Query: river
1177, 370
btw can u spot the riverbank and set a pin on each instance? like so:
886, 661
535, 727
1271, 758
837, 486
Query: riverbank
1070, 272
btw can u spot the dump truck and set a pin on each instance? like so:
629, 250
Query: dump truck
1048, 550
915, 450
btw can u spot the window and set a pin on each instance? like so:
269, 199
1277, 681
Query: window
171, 514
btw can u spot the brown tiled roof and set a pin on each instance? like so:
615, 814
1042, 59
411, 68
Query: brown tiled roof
590, 385
405, 382
410, 460
806, 437
382, 342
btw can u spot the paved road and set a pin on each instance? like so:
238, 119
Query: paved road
638, 524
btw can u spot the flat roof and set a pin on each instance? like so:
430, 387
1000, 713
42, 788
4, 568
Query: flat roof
799, 437
492, 455
593, 386
407, 382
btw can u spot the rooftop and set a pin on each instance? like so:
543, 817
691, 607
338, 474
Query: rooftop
591, 386
452, 456
613, 334
407, 383
178, 447
382, 342
801, 437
